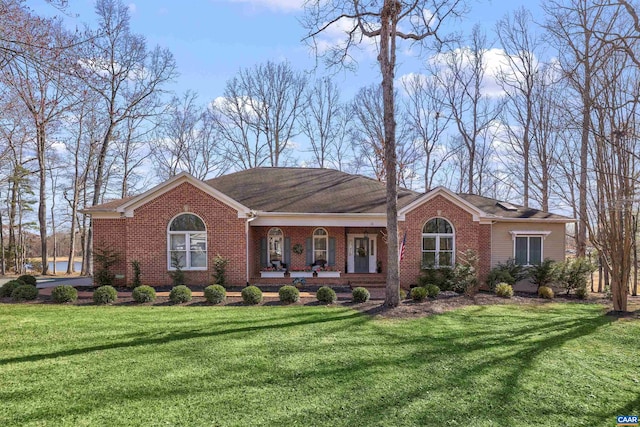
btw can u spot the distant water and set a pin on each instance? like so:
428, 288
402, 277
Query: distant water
61, 266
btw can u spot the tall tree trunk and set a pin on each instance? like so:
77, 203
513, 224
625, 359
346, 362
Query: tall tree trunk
2, 254
42, 203
387, 60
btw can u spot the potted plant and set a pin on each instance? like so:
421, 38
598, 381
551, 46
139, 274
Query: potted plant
328, 272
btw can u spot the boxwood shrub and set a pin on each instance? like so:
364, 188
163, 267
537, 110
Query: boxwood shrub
326, 295
105, 295
418, 293
28, 279
360, 294
180, 294
252, 295
545, 292
24, 293
143, 293
289, 294
7, 288
215, 294
504, 290
432, 291
64, 293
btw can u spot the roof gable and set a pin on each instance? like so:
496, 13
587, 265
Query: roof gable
127, 205
474, 211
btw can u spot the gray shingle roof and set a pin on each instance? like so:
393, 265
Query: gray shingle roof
492, 207
300, 190
313, 190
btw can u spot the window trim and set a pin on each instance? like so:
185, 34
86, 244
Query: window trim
313, 244
528, 234
437, 237
187, 235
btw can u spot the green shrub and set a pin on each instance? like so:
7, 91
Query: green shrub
544, 273
582, 292
143, 293
545, 292
403, 294
441, 277
215, 294
252, 295
573, 274
508, 272
360, 294
220, 270
326, 295
64, 293
289, 294
7, 288
28, 279
418, 293
24, 293
464, 276
105, 295
136, 274
432, 291
180, 294
504, 290
105, 258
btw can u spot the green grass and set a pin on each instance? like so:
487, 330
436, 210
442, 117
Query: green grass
549, 365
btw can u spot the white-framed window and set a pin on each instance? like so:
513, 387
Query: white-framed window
187, 243
275, 239
528, 246
438, 244
320, 245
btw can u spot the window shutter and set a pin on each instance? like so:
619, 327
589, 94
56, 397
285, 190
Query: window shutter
309, 251
332, 251
286, 255
263, 252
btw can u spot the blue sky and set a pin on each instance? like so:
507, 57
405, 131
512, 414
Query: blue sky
212, 39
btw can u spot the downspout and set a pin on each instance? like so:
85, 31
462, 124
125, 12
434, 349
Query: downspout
250, 217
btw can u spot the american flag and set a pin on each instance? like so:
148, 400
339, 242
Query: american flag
404, 241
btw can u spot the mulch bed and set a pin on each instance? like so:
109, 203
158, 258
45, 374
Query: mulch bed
407, 308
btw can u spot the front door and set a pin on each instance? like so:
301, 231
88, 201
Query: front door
361, 255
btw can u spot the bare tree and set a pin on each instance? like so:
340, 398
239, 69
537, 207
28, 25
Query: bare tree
427, 120
520, 46
126, 76
258, 114
572, 25
367, 134
324, 121
45, 96
188, 140
381, 21
462, 74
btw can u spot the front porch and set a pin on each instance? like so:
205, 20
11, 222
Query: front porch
367, 280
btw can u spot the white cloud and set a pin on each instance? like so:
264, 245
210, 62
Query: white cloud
496, 63
337, 36
277, 5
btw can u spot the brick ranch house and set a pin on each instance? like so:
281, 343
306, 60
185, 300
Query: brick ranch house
274, 223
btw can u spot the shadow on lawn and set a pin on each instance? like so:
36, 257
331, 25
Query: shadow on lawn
167, 337
518, 350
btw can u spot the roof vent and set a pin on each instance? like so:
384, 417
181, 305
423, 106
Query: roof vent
507, 206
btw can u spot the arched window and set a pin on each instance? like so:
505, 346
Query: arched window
276, 243
187, 241
438, 243
320, 245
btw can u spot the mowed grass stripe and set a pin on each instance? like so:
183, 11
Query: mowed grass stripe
556, 364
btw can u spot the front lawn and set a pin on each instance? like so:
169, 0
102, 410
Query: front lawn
553, 364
